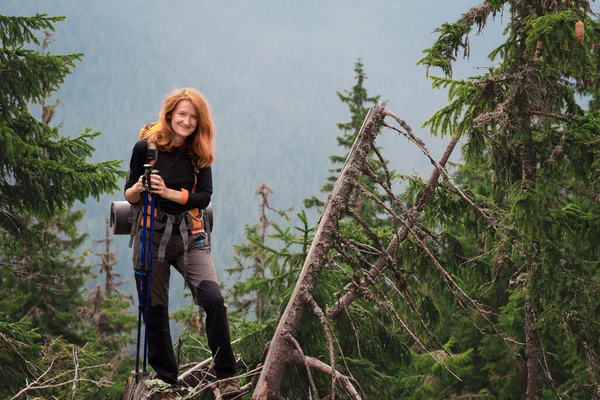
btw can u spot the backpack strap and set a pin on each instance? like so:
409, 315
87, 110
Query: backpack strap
135, 215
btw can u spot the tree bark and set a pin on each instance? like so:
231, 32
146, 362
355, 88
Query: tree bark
272, 373
534, 348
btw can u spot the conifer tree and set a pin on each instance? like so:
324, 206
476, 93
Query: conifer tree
108, 309
41, 172
358, 102
247, 297
41, 175
530, 158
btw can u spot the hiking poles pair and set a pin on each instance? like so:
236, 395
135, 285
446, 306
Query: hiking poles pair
145, 271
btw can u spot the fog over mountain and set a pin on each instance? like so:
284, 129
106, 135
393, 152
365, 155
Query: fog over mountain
270, 69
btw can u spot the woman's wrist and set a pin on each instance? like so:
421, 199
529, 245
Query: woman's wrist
132, 196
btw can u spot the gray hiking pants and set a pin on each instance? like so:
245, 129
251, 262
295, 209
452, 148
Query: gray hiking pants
200, 276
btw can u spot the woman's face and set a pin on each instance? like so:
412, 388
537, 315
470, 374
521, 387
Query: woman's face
184, 120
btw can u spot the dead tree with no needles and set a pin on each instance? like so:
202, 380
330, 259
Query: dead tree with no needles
329, 246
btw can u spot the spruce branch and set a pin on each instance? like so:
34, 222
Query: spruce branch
411, 305
367, 229
344, 241
34, 279
544, 364
461, 297
392, 310
387, 305
355, 333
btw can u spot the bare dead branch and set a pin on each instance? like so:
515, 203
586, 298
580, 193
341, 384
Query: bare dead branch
355, 333
562, 117
34, 279
38, 384
75, 374
197, 367
462, 298
477, 15
407, 299
308, 373
412, 137
400, 236
321, 315
348, 383
387, 305
345, 242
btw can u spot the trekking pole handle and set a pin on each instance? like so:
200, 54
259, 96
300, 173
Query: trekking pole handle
146, 178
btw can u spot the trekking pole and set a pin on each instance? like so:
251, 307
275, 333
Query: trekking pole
148, 274
143, 292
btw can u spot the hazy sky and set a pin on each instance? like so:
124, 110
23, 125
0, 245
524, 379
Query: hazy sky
320, 42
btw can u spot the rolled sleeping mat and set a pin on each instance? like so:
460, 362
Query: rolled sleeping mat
121, 218
120, 221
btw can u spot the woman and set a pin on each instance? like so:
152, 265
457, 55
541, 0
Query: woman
185, 152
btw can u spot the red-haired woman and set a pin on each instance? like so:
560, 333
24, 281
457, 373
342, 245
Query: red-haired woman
184, 140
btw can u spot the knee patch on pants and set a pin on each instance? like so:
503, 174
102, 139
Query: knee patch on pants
208, 295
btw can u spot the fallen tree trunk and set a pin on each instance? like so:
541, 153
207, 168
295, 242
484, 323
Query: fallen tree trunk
277, 357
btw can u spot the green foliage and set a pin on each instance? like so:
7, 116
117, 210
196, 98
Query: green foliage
560, 48
443, 53
34, 159
19, 351
426, 379
279, 262
359, 103
45, 367
530, 161
42, 290
46, 318
455, 36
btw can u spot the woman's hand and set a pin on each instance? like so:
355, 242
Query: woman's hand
158, 186
138, 187
134, 193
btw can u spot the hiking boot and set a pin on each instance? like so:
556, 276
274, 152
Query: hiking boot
161, 390
229, 387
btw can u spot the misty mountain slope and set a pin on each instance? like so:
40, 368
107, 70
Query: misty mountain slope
270, 70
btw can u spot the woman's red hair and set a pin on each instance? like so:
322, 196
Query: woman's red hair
200, 144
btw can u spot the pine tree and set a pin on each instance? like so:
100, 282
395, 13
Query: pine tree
358, 102
41, 172
246, 299
107, 309
530, 160
41, 175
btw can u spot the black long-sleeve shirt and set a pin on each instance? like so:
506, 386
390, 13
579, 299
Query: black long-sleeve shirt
177, 171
